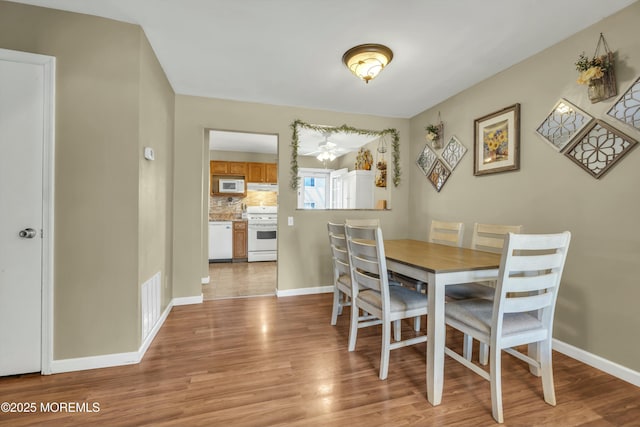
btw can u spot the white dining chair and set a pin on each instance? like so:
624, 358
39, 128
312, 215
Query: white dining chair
341, 270
342, 275
372, 294
446, 233
521, 313
488, 238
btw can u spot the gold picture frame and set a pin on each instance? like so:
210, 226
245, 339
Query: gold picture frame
497, 141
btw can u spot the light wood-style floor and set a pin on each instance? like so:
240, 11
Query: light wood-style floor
240, 279
270, 361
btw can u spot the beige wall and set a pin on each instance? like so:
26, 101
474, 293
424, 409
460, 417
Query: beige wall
99, 127
155, 194
303, 251
597, 307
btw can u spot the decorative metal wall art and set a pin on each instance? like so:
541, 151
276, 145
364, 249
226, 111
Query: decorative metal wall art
627, 109
599, 148
563, 123
426, 159
439, 175
453, 152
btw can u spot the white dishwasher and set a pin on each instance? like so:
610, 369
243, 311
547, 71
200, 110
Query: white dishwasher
220, 241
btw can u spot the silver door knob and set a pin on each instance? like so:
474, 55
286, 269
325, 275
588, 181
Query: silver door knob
27, 233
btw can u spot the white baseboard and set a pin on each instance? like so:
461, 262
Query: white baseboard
130, 358
120, 359
188, 300
598, 362
110, 360
206, 280
304, 291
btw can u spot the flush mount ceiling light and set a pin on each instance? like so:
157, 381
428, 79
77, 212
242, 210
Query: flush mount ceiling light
367, 60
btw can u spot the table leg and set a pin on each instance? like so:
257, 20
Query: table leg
436, 340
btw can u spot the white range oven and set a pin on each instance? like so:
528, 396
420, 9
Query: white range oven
262, 238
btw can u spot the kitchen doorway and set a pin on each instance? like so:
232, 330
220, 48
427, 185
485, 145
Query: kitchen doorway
249, 266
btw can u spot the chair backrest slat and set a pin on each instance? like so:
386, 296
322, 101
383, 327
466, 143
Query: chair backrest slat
367, 282
527, 303
374, 222
536, 262
446, 233
490, 237
530, 283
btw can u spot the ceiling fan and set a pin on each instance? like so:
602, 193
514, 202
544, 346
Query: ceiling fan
327, 150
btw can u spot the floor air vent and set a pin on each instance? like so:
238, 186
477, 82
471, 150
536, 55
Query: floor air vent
150, 304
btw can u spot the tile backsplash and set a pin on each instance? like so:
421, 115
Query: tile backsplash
222, 208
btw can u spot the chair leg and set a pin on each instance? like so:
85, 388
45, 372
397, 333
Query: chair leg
353, 327
419, 286
496, 384
467, 347
385, 350
484, 353
397, 330
337, 306
546, 370
416, 324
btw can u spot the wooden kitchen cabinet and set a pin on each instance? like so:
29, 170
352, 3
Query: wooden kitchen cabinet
219, 167
262, 172
240, 251
271, 173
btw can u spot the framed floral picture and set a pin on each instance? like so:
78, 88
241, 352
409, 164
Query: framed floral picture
497, 141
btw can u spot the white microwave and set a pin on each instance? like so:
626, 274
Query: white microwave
231, 185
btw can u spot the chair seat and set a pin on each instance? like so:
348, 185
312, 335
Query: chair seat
401, 298
477, 314
470, 290
345, 280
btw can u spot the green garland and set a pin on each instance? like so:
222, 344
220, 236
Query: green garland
395, 143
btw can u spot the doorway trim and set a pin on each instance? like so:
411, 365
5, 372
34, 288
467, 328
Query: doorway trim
48, 64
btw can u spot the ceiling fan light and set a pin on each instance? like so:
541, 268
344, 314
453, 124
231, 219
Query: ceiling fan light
367, 60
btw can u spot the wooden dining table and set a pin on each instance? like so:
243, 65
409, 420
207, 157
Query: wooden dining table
438, 266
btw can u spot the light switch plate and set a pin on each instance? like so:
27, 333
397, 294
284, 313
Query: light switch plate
290, 221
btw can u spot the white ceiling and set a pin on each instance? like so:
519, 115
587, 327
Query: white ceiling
288, 52
243, 141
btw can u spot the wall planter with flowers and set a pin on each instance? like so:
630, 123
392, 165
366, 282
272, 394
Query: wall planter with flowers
598, 73
435, 133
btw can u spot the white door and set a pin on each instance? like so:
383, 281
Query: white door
22, 109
